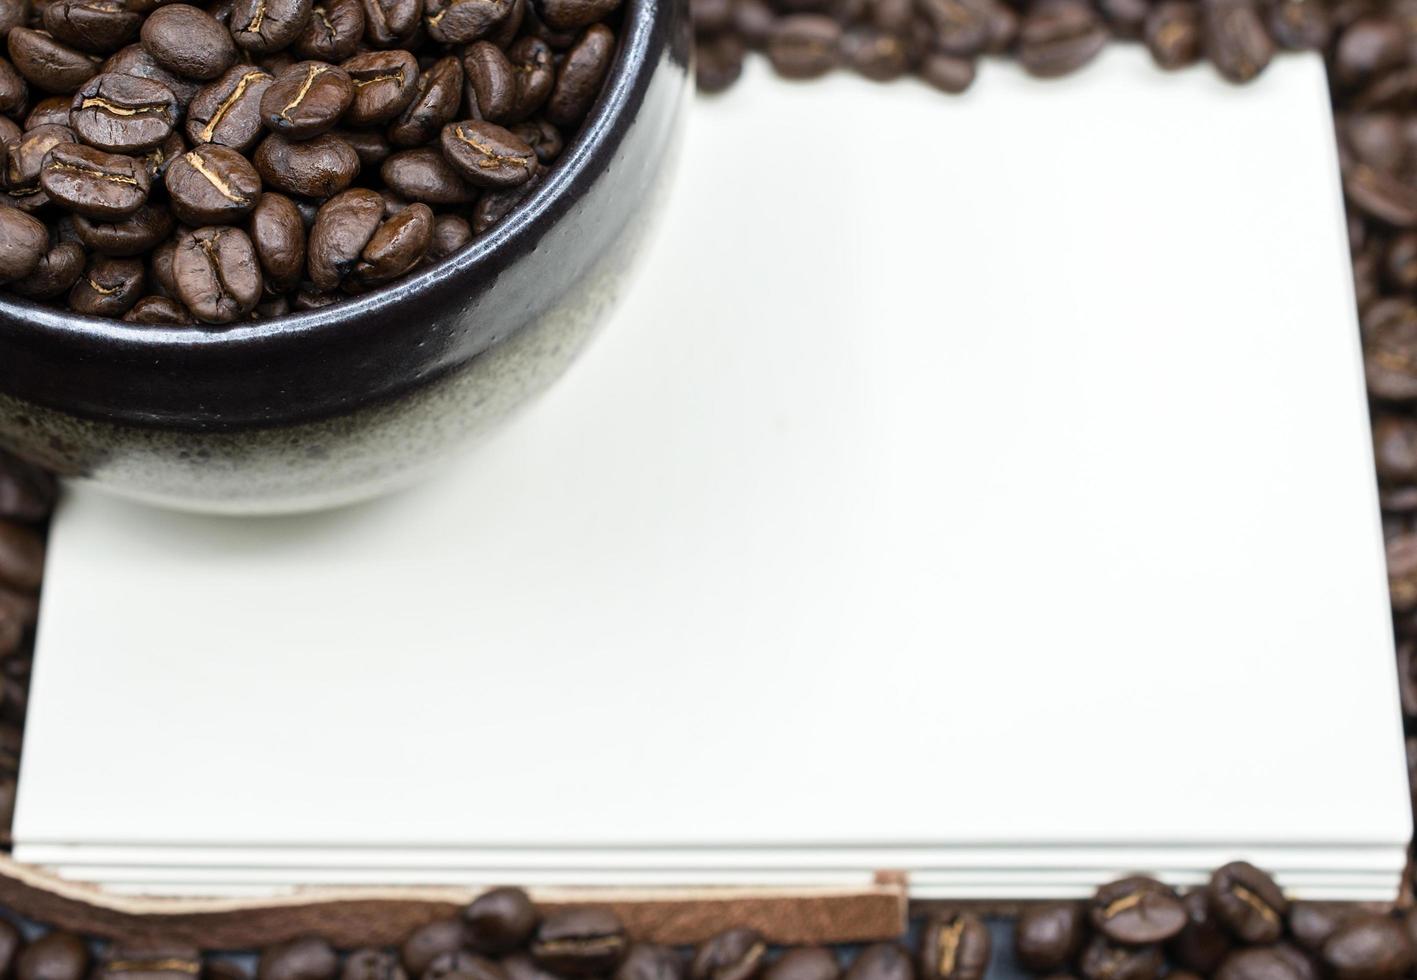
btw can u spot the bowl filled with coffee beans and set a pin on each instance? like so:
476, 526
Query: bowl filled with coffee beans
277, 255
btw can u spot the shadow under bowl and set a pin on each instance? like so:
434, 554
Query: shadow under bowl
325, 407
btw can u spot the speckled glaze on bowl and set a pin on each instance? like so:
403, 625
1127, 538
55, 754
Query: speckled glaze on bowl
322, 408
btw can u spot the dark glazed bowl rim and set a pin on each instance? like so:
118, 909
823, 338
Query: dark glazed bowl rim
630, 72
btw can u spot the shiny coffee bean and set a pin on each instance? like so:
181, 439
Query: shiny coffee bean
90, 182
572, 15
1047, 937
578, 81
136, 234
451, 233
500, 920
278, 235
875, 54
1173, 34
123, 113
486, 155
534, 64
494, 206
955, 947
948, 73
804, 45
228, 111
47, 64
319, 167
425, 175
959, 27
1311, 923
23, 242
579, 942
333, 31
491, 83
1057, 37
55, 275
212, 185
370, 145
460, 964
188, 41
306, 99
343, 226
801, 963
53, 111
464, 21
1248, 903
435, 104
389, 23
369, 964
263, 26
1235, 38
648, 961
426, 943
397, 245
881, 961
734, 954
309, 958
108, 287
135, 960
95, 26
1368, 947
56, 956
385, 82
160, 276
1368, 47
157, 160
1136, 911
544, 139
1103, 960
217, 275
23, 159
135, 60
158, 311
1201, 945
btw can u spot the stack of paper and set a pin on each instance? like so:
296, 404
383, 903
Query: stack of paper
976, 487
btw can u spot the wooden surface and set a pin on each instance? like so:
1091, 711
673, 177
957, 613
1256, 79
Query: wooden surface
384, 916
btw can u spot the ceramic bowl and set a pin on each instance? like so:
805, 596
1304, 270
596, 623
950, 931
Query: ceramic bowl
326, 407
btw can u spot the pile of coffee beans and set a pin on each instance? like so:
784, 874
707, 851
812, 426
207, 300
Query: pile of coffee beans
170, 164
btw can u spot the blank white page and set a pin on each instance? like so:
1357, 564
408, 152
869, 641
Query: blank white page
991, 469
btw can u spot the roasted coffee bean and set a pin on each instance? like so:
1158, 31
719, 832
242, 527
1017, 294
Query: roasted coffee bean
799, 963
218, 279
23, 159
306, 99
333, 31
509, 27
1102, 960
369, 145
56, 956
1248, 903
108, 287
433, 107
881, 961
212, 185
948, 73
544, 139
47, 64
1402, 572
1368, 47
1390, 349
135, 60
578, 81
804, 45
1235, 38
96, 26
319, 167
459, 964
91, 182
1400, 262
309, 958
960, 28
1202, 944
1173, 34
1368, 947
451, 233
875, 54
160, 269
572, 15
157, 160
396, 246
535, 65
1136, 911
734, 954
955, 947
1279, 962
385, 82
1311, 923
188, 41
1380, 195
426, 943
426, 175
278, 235
500, 920
1125, 17
137, 234
53, 111
150, 960
753, 21
228, 111
1047, 937
310, 298
13, 13
58, 270
158, 311
388, 23
579, 942
648, 961
487, 155
264, 26
1299, 25
494, 206
368, 964
343, 226
14, 91
23, 242
491, 83
464, 21
123, 113
1058, 37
